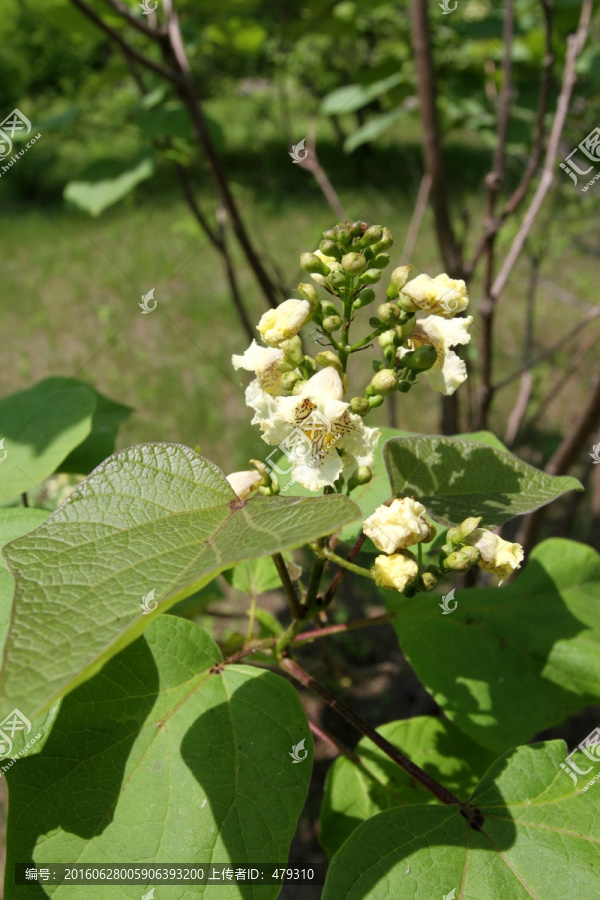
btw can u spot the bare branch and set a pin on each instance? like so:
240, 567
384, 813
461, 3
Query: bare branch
417, 216
140, 25
311, 164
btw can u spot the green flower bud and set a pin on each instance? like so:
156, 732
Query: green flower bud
421, 359
356, 245
330, 235
310, 365
457, 535
428, 581
364, 298
343, 234
404, 386
372, 235
357, 229
360, 406
297, 389
329, 308
391, 292
310, 262
403, 331
374, 322
331, 324
388, 313
329, 358
354, 263
289, 380
405, 303
384, 382
292, 348
363, 475
384, 243
400, 276
269, 484
308, 292
461, 560
329, 248
371, 276
387, 339
337, 279
376, 401
380, 261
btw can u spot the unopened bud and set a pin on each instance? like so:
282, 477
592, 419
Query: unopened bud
308, 292
343, 234
330, 235
337, 278
330, 248
357, 229
461, 560
421, 359
404, 330
364, 298
388, 313
360, 406
371, 276
310, 262
293, 351
329, 358
405, 303
298, 387
457, 535
331, 323
385, 242
376, 401
363, 475
354, 263
387, 339
428, 581
381, 261
404, 386
384, 382
400, 276
372, 235
289, 380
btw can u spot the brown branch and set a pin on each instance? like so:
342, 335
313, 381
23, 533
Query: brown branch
429, 783
341, 573
174, 52
520, 408
307, 636
311, 164
432, 145
417, 216
331, 741
563, 459
140, 25
128, 48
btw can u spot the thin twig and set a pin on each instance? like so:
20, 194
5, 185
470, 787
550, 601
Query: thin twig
417, 216
307, 636
331, 741
311, 164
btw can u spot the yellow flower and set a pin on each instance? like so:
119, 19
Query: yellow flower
397, 526
442, 296
265, 362
282, 323
395, 572
499, 557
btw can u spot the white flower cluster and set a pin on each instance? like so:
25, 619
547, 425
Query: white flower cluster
393, 529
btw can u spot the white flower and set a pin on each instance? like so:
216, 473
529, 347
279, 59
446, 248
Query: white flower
265, 363
449, 370
395, 572
244, 483
311, 427
285, 321
499, 557
397, 526
442, 296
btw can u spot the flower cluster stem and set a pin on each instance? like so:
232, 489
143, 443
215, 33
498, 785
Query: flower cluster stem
340, 561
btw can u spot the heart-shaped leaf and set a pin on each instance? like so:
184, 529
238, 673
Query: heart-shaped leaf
540, 838
456, 478
149, 527
511, 661
357, 789
163, 758
39, 427
100, 443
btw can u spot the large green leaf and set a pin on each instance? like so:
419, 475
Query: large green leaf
154, 519
511, 661
40, 427
455, 478
540, 839
106, 182
351, 97
100, 443
357, 790
161, 758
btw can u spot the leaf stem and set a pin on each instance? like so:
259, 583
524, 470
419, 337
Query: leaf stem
306, 636
329, 554
429, 783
